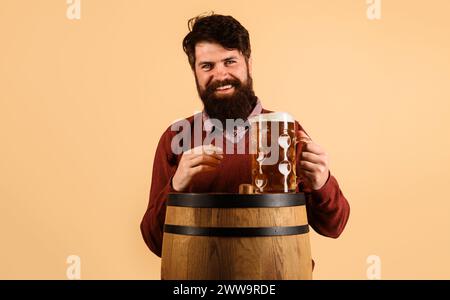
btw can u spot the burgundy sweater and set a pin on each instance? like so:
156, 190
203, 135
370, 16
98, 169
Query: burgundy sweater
327, 208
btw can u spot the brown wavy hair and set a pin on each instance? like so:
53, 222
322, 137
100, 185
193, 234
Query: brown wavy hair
214, 28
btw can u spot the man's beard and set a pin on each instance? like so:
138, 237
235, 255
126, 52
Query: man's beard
238, 105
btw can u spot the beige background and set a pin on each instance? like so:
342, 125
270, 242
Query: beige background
84, 102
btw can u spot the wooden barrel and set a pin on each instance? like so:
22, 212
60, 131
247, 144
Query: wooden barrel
236, 237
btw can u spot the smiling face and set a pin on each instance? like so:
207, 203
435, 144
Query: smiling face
216, 66
224, 82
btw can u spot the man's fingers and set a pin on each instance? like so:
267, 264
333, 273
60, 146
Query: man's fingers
201, 169
199, 151
208, 149
211, 149
204, 160
313, 148
309, 166
311, 157
192, 156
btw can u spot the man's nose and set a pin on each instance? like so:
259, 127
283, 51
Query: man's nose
221, 73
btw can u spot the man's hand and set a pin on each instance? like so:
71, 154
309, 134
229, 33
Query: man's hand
314, 162
194, 161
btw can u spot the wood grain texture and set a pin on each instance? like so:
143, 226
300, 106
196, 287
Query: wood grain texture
227, 258
236, 217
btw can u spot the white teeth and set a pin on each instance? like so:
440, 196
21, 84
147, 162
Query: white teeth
225, 87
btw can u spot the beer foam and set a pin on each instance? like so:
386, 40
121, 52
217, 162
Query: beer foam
273, 117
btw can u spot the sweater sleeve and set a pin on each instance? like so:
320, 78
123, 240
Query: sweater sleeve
164, 167
327, 208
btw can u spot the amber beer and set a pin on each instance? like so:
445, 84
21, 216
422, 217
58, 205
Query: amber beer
273, 152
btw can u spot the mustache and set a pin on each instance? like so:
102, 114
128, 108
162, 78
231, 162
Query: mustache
237, 106
211, 88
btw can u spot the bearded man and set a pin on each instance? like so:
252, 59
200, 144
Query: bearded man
219, 53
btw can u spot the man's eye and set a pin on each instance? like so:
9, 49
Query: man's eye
206, 66
229, 62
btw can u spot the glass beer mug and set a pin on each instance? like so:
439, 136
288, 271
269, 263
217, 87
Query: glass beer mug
273, 153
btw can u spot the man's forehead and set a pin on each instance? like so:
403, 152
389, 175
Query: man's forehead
207, 51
